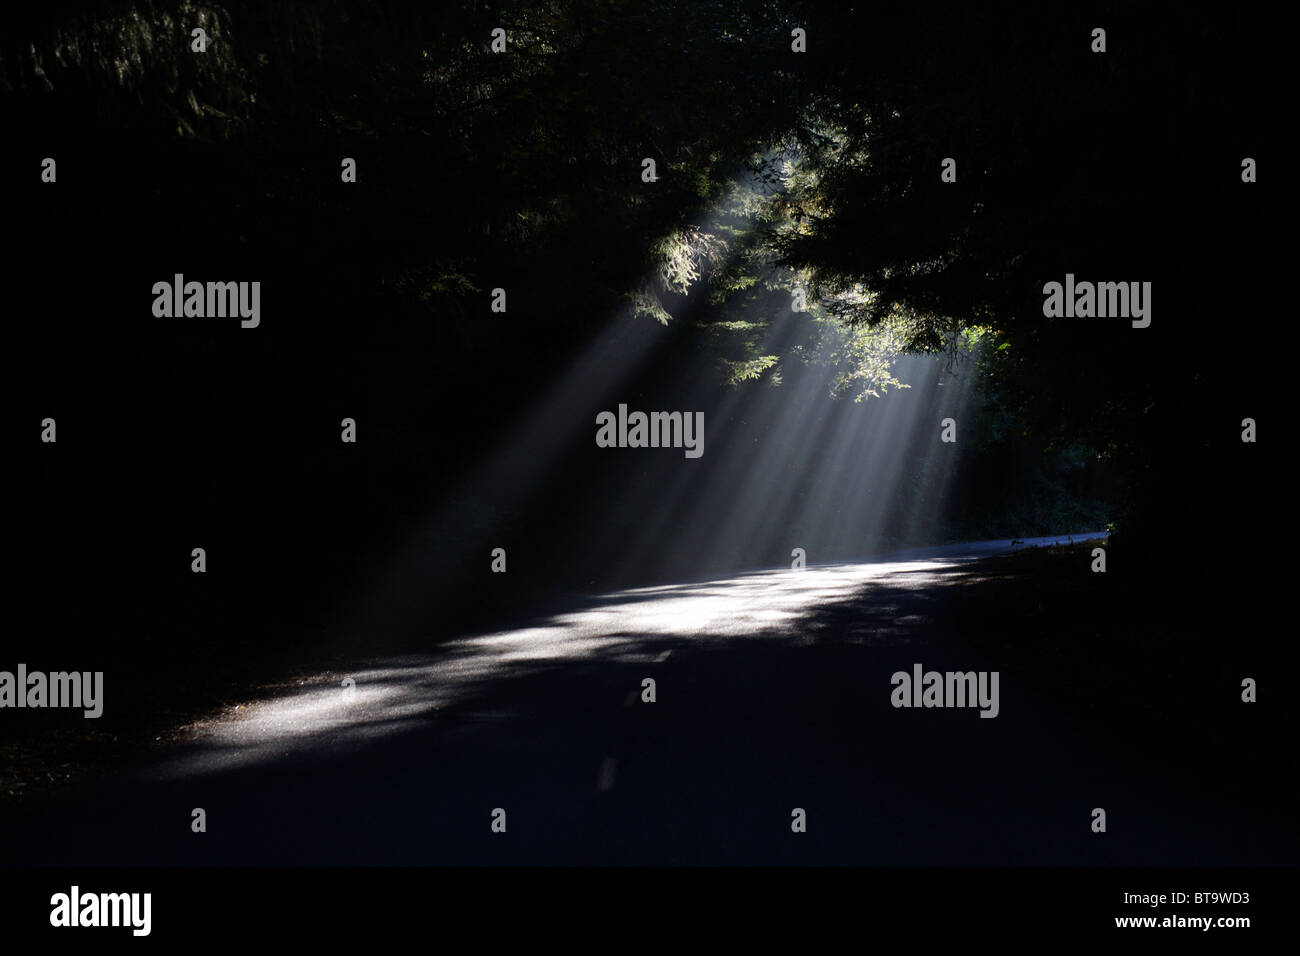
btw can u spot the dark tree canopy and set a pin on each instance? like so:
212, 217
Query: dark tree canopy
475, 165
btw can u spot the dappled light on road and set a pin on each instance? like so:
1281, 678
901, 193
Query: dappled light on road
622, 627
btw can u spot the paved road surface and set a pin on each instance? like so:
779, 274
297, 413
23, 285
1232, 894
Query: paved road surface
772, 693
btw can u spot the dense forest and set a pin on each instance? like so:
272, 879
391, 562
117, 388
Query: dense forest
516, 161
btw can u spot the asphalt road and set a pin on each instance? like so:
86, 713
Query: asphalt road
772, 693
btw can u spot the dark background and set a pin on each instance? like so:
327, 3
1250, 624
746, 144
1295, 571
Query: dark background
176, 434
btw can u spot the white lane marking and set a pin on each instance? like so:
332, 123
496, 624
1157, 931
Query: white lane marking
605, 779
